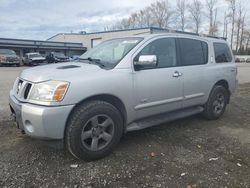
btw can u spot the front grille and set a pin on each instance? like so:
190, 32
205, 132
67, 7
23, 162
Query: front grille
19, 86
11, 59
23, 88
27, 91
38, 61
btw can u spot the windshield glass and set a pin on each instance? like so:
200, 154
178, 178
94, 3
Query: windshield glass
59, 54
35, 55
7, 52
109, 53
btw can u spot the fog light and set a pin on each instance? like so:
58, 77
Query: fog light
28, 126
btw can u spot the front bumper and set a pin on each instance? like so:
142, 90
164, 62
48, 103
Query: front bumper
61, 60
9, 62
41, 122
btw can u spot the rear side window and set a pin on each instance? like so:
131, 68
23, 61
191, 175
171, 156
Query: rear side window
193, 52
222, 53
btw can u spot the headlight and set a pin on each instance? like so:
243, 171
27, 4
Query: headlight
2, 58
49, 91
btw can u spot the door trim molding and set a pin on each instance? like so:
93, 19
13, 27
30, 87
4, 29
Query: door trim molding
158, 103
196, 95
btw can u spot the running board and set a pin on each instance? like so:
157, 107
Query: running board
163, 118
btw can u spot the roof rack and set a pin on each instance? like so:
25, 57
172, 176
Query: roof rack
188, 33
210, 36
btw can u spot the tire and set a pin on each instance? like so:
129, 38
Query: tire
86, 136
216, 104
18, 65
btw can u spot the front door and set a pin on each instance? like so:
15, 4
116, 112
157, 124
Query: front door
159, 89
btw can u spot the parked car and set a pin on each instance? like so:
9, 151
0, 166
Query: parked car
248, 60
74, 58
122, 85
9, 57
34, 58
237, 60
57, 57
242, 60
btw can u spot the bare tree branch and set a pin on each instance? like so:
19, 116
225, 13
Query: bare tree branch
195, 10
212, 14
162, 13
232, 7
181, 8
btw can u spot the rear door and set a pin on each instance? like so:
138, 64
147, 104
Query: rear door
193, 65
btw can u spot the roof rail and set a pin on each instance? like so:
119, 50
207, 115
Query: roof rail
185, 32
188, 33
210, 36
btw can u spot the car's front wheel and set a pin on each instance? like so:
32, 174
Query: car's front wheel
93, 130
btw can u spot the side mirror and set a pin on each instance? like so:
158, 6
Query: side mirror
146, 61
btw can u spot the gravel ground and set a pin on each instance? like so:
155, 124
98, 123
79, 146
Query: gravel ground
192, 152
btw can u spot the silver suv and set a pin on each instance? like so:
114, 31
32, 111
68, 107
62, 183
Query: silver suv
123, 85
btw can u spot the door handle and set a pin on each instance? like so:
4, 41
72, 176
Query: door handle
177, 74
233, 70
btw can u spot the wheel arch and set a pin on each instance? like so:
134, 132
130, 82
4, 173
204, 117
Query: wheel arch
114, 100
225, 84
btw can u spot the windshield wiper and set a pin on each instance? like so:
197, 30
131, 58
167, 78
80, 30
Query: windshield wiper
96, 61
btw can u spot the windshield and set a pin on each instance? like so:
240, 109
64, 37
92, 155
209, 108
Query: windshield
7, 52
34, 55
109, 53
59, 54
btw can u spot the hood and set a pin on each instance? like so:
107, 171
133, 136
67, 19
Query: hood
9, 56
62, 71
37, 58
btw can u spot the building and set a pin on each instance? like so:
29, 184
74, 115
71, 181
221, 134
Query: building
89, 40
21, 47
73, 43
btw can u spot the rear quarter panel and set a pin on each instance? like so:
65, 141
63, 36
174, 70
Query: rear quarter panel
220, 71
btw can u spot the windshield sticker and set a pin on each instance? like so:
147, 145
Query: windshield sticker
130, 41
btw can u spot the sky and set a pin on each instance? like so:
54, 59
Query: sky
41, 19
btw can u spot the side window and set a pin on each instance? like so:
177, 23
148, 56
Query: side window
165, 51
193, 52
222, 53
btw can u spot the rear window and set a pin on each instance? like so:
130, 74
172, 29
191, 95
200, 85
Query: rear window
193, 52
222, 53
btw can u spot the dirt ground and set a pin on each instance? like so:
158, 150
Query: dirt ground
191, 152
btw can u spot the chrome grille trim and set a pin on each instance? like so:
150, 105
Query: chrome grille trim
21, 93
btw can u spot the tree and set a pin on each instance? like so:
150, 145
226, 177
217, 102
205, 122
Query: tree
225, 24
181, 8
133, 21
195, 10
145, 17
232, 7
238, 26
242, 36
247, 36
212, 14
162, 13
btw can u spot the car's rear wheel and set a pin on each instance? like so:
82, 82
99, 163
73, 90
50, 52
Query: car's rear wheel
93, 130
217, 102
